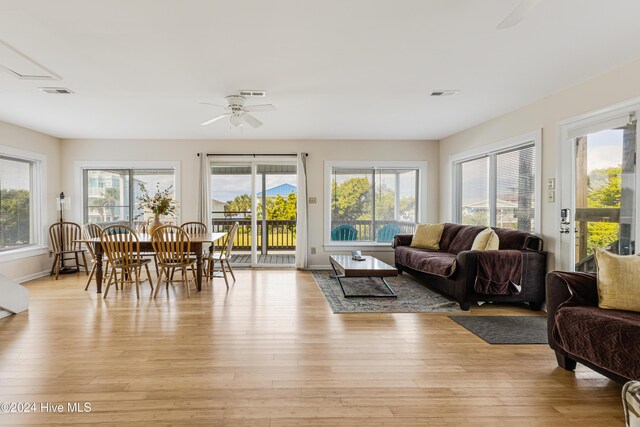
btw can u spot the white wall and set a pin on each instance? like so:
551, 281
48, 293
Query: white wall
184, 151
613, 87
26, 139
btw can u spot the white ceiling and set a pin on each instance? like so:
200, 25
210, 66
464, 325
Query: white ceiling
335, 69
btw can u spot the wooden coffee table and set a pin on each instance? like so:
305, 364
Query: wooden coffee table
344, 267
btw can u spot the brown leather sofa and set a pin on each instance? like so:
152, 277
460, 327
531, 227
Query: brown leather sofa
454, 268
607, 341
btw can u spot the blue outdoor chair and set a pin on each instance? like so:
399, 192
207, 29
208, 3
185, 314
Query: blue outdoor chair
387, 233
344, 232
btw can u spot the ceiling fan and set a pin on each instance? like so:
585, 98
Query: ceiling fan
238, 113
518, 14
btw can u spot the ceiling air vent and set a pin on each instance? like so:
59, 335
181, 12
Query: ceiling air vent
446, 92
253, 93
56, 90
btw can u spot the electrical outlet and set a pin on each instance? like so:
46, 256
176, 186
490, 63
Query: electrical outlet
313, 251
551, 196
313, 200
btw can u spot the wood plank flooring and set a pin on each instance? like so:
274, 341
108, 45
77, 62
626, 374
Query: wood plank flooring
269, 352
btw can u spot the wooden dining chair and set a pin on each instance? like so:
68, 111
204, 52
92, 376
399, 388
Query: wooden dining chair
194, 227
122, 247
223, 256
65, 240
172, 246
93, 231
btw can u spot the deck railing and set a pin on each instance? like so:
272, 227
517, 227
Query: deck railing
365, 228
280, 234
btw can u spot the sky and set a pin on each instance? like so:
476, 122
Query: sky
604, 149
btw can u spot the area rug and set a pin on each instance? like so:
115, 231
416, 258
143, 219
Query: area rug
506, 329
413, 297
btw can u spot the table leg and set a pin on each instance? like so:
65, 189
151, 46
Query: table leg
198, 249
98, 252
337, 276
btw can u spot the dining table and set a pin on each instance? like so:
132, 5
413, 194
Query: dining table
197, 242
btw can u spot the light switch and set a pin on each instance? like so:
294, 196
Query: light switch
551, 196
313, 200
551, 184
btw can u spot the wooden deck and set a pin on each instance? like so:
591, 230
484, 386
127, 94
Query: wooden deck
278, 259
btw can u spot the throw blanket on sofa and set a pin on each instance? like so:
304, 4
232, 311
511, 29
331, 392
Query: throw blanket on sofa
499, 274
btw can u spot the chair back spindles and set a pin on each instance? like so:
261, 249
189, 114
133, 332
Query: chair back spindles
121, 245
171, 244
233, 231
64, 237
194, 227
91, 231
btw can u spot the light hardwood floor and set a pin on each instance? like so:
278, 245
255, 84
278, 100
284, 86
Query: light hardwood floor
269, 352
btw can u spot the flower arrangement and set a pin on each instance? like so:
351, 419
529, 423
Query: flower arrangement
161, 203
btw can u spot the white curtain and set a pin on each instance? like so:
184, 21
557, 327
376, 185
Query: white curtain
301, 223
204, 194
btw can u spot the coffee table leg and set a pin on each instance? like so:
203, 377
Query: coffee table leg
338, 276
393, 294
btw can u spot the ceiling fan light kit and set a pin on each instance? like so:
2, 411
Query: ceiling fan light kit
238, 114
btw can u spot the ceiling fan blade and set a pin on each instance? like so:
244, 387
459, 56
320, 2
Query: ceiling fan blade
215, 105
259, 108
251, 120
215, 119
518, 14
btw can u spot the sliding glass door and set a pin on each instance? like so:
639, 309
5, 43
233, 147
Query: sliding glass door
261, 196
276, 213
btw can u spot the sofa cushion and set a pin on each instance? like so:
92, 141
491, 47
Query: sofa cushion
464, 239
427, 236
486, 240
438, 263
607, 338
448, 234
618, 285
516, 239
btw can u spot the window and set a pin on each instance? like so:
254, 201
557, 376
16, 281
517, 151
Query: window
498, 188
371, 204
110, 194
17, 213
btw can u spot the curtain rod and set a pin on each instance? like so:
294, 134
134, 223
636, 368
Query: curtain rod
254, 155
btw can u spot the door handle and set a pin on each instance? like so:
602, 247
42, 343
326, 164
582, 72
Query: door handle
565, 221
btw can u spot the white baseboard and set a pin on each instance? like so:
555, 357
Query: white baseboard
33, 276
4, 313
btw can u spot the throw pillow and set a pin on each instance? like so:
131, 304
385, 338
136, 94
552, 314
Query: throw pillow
427, 236
618, 280
631, 403
487, 240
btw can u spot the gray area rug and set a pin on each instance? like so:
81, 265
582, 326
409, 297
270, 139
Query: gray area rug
506, 329
413, 297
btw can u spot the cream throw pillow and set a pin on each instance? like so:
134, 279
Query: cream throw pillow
486, 240
427, 236
618, 280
